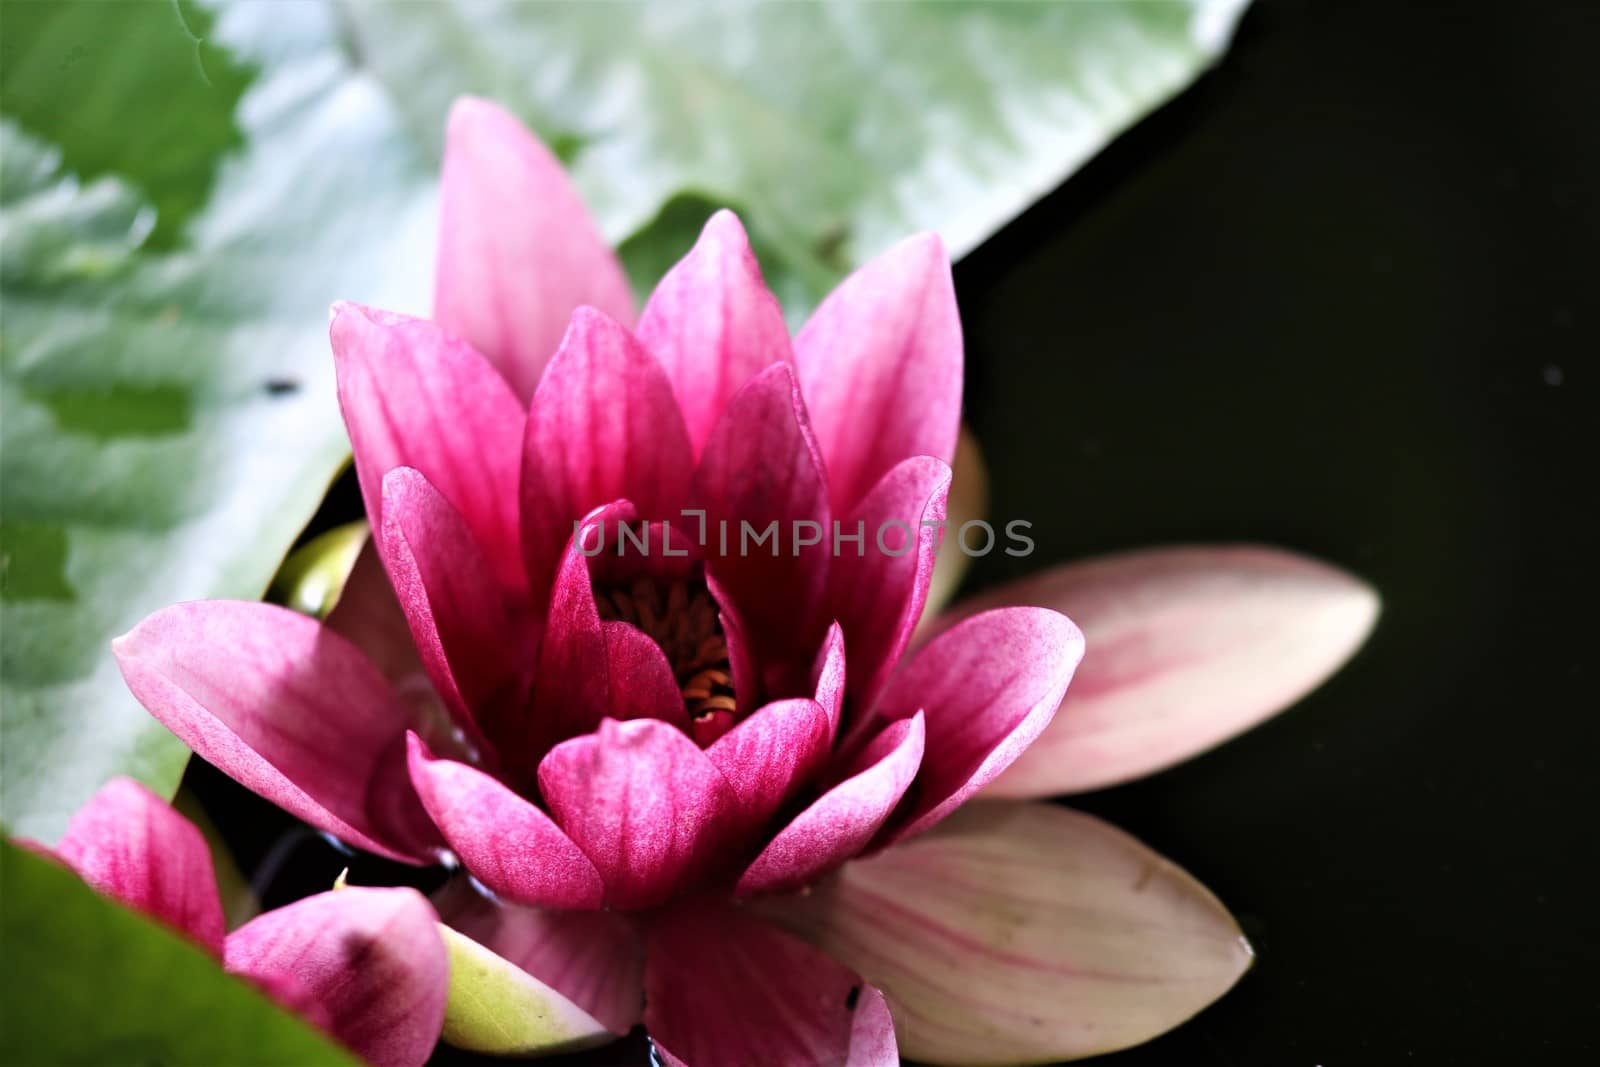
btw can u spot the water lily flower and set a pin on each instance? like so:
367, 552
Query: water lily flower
365, 965
712, 785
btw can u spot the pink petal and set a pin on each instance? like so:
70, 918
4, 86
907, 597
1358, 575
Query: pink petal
641, 680
713, 324
841, 822
594, 958
518, 252
472, 648
872, 1038
1189, 646
603, 426
573, 687
989, 685
723, 988
1024, 933
769, 755
828, 678
968, 501
880, 365
669, 552
415, 397
761, 467
741, 655
508, 844
368, 614
877, 595
288, 993
372, 958
643, 802
130, 845
288, 709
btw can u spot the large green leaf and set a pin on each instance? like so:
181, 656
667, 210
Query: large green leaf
89, 981
168, 413
836, 128
183, 195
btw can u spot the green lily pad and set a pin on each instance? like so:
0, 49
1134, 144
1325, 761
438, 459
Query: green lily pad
168, 419
834, 128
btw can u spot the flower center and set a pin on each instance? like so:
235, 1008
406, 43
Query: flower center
680, 616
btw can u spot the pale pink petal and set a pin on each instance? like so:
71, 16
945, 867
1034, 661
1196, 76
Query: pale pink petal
509, 844
1188, 647
288, 709
641, 680
130, 845
603, 426
880, 366
713, 324
841, 822
518, 252
772, 998
372, 959
769, 755
876, 589
871, 1041
1024, 933
988, 686
761, 473
475, 651
594, 958
413, 396
643, 802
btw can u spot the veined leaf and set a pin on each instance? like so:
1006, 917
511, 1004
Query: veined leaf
169, 421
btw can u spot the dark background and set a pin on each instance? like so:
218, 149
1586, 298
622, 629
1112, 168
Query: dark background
1338, 297
1341, 297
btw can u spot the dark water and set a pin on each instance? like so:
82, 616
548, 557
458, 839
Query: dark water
1342, 297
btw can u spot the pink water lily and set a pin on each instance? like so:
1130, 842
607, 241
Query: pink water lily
365, 965
694, 745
